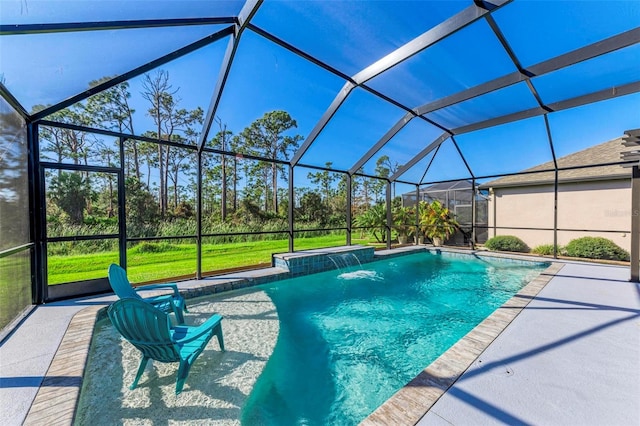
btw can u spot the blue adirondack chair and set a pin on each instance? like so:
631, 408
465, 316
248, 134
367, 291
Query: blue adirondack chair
149, 329
167, 303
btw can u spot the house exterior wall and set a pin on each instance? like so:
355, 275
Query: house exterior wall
583, 208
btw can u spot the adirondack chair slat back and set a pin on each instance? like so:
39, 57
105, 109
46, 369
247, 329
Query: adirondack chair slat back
120, 283
145, 327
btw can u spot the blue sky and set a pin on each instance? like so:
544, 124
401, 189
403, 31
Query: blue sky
350, 36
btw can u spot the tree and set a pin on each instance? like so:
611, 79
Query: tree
141, 206
364, 190
68, 144
374, 219
324, 179
221, 141
312, 208
169, 120
107, 154
70, 191
386, 168
265, 137
110, 110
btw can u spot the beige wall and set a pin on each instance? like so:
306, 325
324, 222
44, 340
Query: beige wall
582, 206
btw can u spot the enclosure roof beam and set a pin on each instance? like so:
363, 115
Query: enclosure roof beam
135, 72
464, 160
534, 172
426, 39
426, 169
599, 48
516, 62
223, 74
22, 29
433, 145
598, 96
320, 125
11, 100
378, 145
441, 31
105, 132
248, 11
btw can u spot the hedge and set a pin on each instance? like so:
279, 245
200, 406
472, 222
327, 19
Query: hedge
506, 243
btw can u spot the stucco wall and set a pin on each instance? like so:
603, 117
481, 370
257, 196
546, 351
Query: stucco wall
604, 205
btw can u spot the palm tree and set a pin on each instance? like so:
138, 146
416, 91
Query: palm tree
374, 219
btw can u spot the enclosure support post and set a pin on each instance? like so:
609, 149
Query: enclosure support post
473, 214
494, 198
555, 215
290, 213
389, 217
37, 220
635, 224
199, 219
348, 212
122, 211
418, 232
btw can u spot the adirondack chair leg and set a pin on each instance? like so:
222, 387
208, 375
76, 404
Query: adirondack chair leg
143, 364
218, 331
183, 372
178, 312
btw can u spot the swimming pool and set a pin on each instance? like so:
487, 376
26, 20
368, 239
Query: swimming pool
350, 339
326, 348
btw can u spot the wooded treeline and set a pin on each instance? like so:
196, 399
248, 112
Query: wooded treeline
239, 194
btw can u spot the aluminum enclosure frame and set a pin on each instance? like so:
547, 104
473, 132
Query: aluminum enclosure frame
237, 25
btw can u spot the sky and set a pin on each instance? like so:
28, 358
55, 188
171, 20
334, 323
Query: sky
350, 36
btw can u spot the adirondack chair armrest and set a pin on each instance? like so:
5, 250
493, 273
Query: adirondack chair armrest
172, 286
193, 333
157, 299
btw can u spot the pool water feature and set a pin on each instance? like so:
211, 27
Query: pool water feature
348, 340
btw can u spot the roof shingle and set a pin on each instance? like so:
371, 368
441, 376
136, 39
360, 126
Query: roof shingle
607, 152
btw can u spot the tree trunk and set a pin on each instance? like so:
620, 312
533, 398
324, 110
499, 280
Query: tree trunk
266, 194
166, 179
274, 184
235, 184
163, 207
110, 212
136, 161
223, 206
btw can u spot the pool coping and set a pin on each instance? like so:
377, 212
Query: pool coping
58, 395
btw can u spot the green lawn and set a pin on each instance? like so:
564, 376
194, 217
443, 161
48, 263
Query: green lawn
180, 259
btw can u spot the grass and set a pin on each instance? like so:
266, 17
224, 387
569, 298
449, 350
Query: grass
180, 259
15, 286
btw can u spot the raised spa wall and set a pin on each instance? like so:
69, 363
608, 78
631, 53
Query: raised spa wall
312, 261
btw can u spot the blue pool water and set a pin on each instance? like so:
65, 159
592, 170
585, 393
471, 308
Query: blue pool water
350, 339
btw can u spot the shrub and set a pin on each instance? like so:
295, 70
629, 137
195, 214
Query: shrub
506, 243
546, 249
595, 248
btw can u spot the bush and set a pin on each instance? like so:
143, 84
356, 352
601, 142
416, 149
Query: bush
506, 243
595, 248
546, 249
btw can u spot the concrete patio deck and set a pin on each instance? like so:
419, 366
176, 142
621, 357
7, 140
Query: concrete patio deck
572, 356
